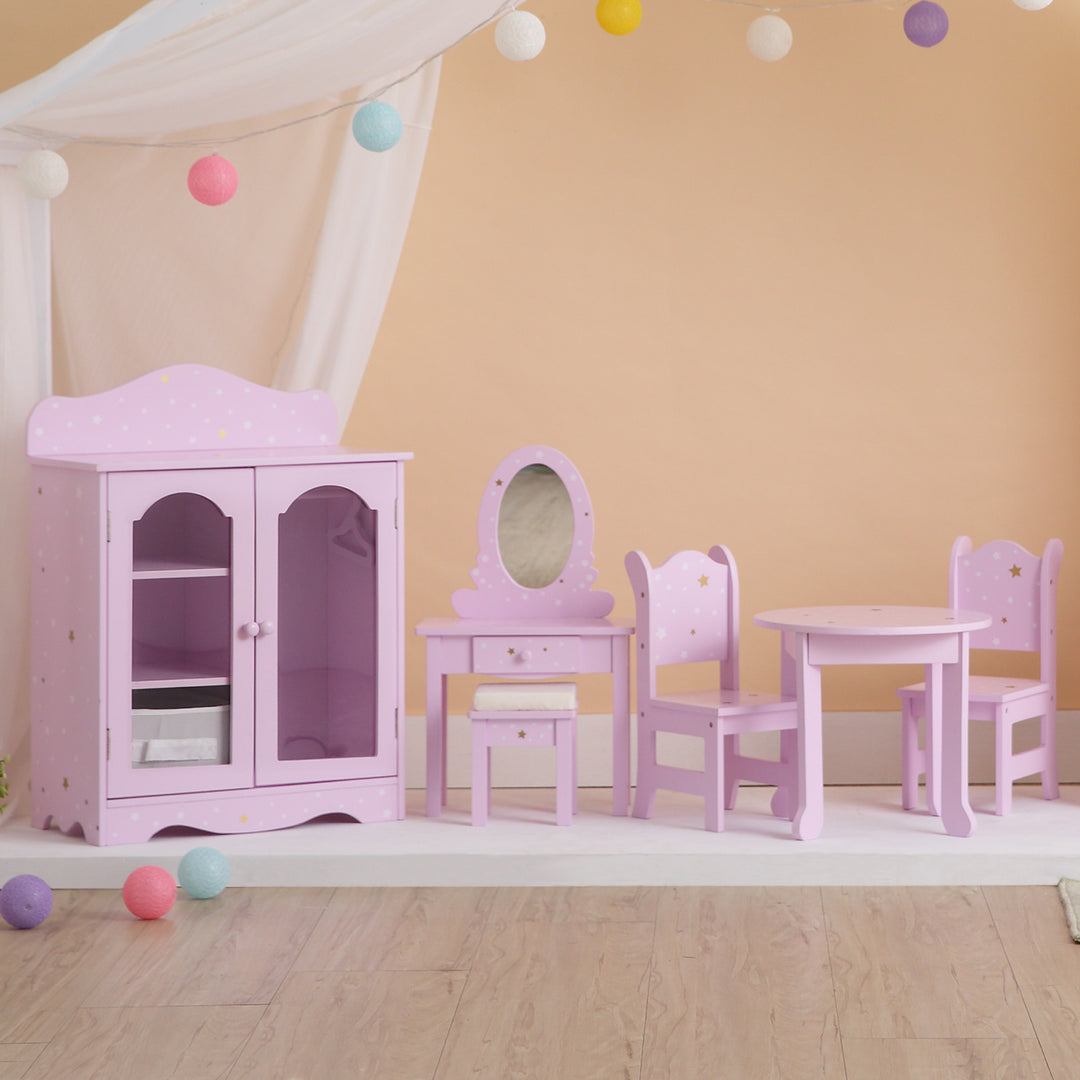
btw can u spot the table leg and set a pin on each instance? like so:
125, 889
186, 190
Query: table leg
932, 722
620, 721
436, 729
810, 800
956, 813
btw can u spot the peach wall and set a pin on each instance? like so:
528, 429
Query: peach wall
823, 311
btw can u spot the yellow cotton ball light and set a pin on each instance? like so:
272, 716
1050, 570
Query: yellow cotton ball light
520, 36
769, 38
618, 16
43, 174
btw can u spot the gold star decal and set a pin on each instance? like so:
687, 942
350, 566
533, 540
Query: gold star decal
521, 734
71, 635
692, 632
66, 784
510, 651
243, 819
703, 581
1014, 570
498, 483
1004, 619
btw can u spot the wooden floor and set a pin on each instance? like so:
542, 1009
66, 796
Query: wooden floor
948, 983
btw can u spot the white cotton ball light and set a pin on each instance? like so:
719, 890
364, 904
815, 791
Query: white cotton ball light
769, 38
43, 173
1032, 5
520, 35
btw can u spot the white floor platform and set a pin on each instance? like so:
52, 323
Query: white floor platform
867, 840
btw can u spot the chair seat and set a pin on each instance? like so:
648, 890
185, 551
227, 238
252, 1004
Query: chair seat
988, 688
727, 702
525, 697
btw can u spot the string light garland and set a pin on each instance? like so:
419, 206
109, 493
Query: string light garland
32, 175
519, 36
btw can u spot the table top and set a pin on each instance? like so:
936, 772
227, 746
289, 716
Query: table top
867, 620
578, 626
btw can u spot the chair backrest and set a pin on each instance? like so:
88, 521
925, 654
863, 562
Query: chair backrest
1017, 588
687, 611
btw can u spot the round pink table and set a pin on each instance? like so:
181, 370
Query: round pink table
864, 634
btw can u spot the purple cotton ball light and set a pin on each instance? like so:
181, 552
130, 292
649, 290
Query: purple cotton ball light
25, 901
926, 24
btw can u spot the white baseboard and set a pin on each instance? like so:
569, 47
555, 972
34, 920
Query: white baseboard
860, 748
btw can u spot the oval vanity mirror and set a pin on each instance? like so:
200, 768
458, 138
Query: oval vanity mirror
536, 526
535, 530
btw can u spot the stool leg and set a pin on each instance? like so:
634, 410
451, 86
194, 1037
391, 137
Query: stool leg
573, 739
564, 772
481, 786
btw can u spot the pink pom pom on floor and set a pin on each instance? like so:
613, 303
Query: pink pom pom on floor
149, 892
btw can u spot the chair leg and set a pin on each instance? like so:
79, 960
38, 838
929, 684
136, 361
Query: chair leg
714, 779
645, 794
564, 772
481, 784
1003, 779
731, 774
784, 799
1049, 774
911, 756
932, 706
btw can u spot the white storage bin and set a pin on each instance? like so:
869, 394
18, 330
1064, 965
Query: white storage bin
180, 735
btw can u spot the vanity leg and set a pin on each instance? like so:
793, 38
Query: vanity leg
436, 729
620, 725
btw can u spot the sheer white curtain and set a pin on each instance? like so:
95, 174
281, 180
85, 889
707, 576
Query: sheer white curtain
285, 284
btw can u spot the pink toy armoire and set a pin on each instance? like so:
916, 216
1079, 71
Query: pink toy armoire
217, 632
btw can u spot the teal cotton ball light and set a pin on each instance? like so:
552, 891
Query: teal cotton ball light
377, 126
203, 873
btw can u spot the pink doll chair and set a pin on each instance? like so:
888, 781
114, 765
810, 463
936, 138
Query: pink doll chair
1020, 591
525, 714
688, 611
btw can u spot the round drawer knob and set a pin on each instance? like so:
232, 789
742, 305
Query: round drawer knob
267, 627
251, 629
524, 656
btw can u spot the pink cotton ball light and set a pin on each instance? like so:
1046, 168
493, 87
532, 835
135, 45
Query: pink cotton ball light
149, 892
212, 180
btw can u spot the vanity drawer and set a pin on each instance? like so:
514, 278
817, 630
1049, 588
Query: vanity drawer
526, 655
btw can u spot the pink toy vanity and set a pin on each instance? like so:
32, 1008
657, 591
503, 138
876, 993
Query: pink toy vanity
533, 613
217, 611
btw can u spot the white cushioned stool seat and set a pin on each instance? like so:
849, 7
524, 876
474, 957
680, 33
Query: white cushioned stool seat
525, 697
525, 714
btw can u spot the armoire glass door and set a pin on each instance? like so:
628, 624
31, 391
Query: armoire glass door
179, 676
326, 602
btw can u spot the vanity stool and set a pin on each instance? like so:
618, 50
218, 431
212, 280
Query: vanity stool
525, 714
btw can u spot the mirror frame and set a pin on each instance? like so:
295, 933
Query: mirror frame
496, 593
